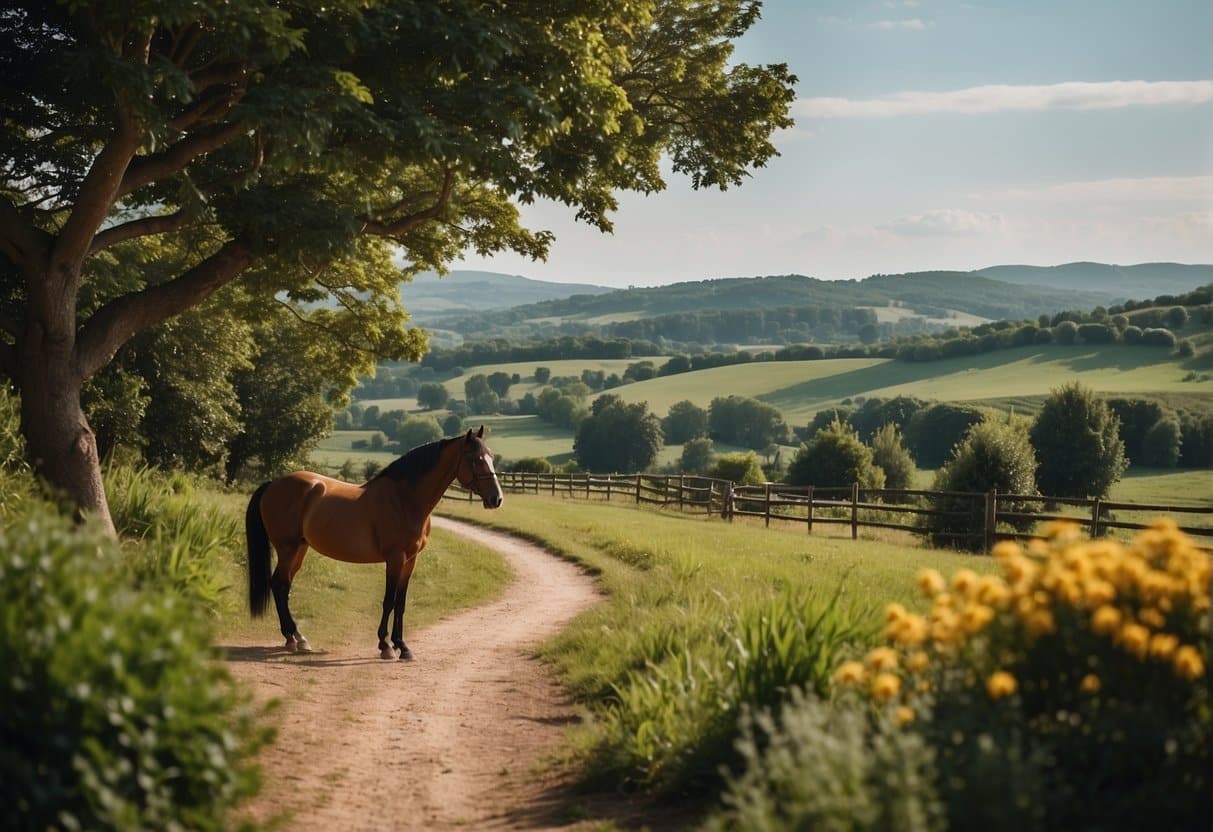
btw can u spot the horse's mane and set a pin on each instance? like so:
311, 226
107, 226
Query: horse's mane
415, 463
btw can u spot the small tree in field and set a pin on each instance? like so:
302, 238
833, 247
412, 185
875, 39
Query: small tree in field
432, 396
740, 468
697, 456
835, 457
1077, 440
889, 452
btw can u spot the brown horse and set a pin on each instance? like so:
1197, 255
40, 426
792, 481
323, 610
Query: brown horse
386, 519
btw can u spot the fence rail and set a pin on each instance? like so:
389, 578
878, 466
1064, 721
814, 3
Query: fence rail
990, 516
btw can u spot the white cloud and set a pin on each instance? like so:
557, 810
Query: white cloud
1125, 188
946, 221
914, 24
994, 98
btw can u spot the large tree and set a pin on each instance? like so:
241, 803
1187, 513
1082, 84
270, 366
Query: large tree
294, 146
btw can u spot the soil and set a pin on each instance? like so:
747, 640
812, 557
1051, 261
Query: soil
460, 738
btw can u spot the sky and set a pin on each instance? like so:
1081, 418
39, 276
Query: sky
939, 134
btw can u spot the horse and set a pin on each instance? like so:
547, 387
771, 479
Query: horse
386, 519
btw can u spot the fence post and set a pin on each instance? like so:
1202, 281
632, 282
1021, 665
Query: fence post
587, 485
1095, 518
991, 523
681, 484
810, 509
608, 488
766, 502
728, 503
637, 489
854, 511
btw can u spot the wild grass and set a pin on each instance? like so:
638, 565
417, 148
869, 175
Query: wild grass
704, 619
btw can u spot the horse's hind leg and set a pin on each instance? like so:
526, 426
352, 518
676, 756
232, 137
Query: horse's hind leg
390, 589
290, 558
406, 654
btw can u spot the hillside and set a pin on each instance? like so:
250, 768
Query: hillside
429, 295
1145, 280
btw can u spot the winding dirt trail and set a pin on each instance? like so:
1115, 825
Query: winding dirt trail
449, 741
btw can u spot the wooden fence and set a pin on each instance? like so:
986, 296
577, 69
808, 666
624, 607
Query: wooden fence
983, 519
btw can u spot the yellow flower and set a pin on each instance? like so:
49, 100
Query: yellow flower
1040, 623
1105, 620
1162, 645
1060, 530
1098, 592
1089, 684
1005, 550
882, 658
903, 715
1135, 639
992, 591
975, 617
1187, 663
930, 582
964, 582
917, 661
1000, 684
894, 612
850, 673
911, 631
885, 686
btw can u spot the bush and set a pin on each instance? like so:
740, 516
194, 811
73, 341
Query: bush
532, 465
890, 454
738, 468
935, 431
835, 458
1160, 447
697, 456
1158, 337
817, 765
1077, 440
417, 430
116, 714
993, 455
1068, 693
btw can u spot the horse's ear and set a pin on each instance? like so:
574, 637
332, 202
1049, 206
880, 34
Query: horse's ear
480, 433
469, 436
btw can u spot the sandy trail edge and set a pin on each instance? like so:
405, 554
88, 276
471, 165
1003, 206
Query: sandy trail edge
448, 741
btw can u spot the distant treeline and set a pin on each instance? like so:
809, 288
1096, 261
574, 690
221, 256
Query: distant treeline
789, 323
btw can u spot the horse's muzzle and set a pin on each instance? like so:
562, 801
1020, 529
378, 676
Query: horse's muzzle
493, 501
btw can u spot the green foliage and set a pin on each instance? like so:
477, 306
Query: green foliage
1077, 441
744, 421
835, 457
1160, 446
821, 765
432, 396
686, 421
697, 456
994, 455
532, 465
890, 455
117, 715
874, 413
417, 430
617, 437
742, 468
935, 430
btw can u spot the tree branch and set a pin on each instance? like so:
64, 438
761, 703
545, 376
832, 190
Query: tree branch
22, 242
115, 322
407, 223
148, 169
142, 227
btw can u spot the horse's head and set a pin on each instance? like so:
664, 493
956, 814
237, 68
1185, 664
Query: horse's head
476, 470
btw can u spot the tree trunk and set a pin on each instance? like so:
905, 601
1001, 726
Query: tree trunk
59, 442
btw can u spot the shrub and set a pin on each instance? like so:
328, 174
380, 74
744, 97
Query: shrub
1158, 337
1077, 440
739, 468
935, 431
417, 430
116, 715
697, 456
1160, 447
835, 457
993, 455
830, 766
890, 454
532, 465
1068, 693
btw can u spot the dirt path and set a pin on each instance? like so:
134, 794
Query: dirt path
451, 740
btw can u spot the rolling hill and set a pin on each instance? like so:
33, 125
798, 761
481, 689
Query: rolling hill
1145, 280
429, 295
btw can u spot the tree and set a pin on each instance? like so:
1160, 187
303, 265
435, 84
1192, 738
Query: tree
433, 396
1077, 440
500, 383
934, 431
741, 468
542, 374
835, 457
994, 455
617, 437
890, 454
292, 148
452, 425
740, 420
1160, 446
697, 455
685, 421
417, 430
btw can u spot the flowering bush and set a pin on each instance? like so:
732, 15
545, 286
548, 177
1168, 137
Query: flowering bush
1069, 692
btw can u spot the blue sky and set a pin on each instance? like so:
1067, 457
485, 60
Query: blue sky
937, 134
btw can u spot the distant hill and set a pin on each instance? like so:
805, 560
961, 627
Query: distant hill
428, 294
1145, 280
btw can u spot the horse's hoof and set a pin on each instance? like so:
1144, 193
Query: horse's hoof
387, 654
406, 655
291, 646
302, 646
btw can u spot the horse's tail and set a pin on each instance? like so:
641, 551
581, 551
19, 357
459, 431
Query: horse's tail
258, 554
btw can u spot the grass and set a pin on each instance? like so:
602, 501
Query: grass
1164, 486
702, 617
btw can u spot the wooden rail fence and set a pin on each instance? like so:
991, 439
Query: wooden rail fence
985, 517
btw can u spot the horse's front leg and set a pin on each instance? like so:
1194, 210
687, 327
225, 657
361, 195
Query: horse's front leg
289, 561
406, 655
394, 566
